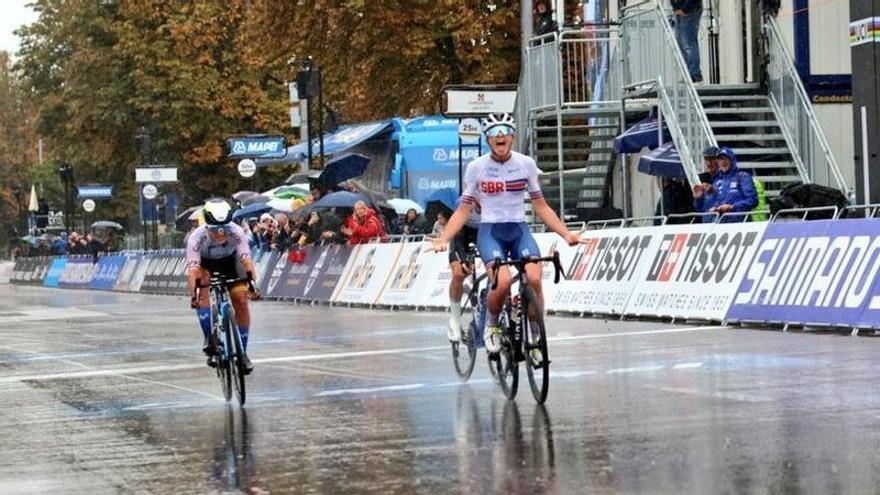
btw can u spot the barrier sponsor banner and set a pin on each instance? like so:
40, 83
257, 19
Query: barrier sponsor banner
419, 278
166, 274
106, 272
290, 281
56, 270
548, 243
818, 272
6, 271
603, 271
30, 271
126, 273
140, 273
265, 267
695, 271
77, 273
367, 273
325, 274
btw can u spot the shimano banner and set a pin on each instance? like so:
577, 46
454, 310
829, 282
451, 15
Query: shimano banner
818, 272
695, 271
78, 272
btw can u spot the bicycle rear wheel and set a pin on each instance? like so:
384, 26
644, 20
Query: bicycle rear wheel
464, 352
236, 364
535, 344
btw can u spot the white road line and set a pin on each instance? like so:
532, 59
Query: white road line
311, 357
715, 395
687, 366
369, 390
635, 369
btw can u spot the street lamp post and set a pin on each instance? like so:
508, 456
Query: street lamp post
309, 85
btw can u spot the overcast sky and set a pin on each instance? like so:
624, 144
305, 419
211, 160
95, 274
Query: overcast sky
15, 13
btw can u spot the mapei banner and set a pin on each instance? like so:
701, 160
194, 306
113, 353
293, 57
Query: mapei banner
694, 270
819, 272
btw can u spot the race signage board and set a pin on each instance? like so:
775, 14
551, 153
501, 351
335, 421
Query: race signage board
419, 278
247, 168
95, 191
107, 271
257, 146
126, 273
89, 205
325, 273
155, 174
695, 270
56, 270
368, 271
467, 102
77, 273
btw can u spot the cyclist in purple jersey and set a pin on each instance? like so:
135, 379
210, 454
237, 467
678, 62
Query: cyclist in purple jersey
499, 182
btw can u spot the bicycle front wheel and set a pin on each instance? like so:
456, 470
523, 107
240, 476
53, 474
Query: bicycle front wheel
222, 357
535, 346
464, 352
236, 364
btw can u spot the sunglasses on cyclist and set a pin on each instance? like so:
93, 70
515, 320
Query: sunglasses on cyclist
500, 130
216, 229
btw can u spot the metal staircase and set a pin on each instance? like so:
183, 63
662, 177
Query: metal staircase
742, 118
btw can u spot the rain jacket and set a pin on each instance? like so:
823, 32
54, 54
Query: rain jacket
363, 232
733, 187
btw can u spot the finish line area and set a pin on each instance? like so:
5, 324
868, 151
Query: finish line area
105, 392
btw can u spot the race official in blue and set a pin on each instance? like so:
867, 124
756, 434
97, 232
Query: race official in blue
732, 190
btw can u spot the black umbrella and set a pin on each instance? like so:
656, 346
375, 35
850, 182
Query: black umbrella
434, 207
347, 166
182, 220
340, 199
301, 177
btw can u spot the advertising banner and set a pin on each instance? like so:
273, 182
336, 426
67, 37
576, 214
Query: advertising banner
603, 272
166, 274
695, 271
126, 273
6, 271
106, 271
819, 272
56, 270
140, 272
325, 274
150, 282
77, 273
419, 278
548, 243
265, 267
290, 281
30, 271
367, 273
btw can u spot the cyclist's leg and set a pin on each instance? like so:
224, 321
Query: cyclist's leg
200, 276
238, 295
527, 247
491, 244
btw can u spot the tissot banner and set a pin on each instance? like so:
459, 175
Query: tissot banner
695, 270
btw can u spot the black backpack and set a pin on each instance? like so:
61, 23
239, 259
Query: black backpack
809, 196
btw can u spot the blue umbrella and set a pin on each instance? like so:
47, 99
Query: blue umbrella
641, 135
448, 196
663, 162
340, 199
347, 166
251, 211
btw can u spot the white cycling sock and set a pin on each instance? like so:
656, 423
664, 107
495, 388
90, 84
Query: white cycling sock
454, 307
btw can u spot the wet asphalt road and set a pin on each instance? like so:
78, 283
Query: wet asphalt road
107, 393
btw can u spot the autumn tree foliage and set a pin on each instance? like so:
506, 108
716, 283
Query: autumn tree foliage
193, 73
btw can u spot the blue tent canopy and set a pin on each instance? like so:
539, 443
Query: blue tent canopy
663, 162
343, 139
428, 157
641, 135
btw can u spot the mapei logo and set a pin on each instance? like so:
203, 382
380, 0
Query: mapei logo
239, 148
440, 155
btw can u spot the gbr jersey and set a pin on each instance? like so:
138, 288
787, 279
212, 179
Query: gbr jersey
500, 187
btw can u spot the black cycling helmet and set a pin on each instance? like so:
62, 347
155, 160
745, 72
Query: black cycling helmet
218, 212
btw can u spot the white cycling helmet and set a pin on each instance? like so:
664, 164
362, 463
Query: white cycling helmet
499, 124
218, 212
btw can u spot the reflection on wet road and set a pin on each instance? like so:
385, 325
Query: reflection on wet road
107, 393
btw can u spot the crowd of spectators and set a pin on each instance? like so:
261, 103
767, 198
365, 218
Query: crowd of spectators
72, 244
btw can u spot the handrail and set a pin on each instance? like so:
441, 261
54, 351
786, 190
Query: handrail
873, 207
746, 215
602, 224
653, 58
631, 222
805, 211
800, 126
696, 215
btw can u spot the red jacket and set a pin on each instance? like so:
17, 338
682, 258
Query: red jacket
363, 232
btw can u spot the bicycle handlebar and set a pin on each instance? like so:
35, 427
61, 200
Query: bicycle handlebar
520, 264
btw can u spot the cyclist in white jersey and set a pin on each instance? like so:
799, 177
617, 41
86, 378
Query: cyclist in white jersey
221, 246
499, 182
